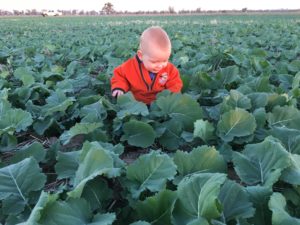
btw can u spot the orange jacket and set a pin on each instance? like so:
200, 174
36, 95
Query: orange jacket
133, 76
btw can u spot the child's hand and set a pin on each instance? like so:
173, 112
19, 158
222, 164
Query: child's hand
117, 93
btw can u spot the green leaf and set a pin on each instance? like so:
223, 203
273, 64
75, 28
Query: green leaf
23, 94
171, 137
294, 66
202, 80
67, 164
261, 163
93, 112
260, 196
4, 74
182, 108
57, 102
94, 161
98, 194
275, 99
25, 75
157, 209
103, 219
117, 149
198, 198
258, 100
140, 223
150, 171
227, 75
36, 150
235, 201
40, 126
35, 215
204, 130
235, 100
5, 105
129, 106
236, 123
14, 120
78, 128
16, 183
73, 212
277, 204
83, 52
291, 175
286, 116
290, 138
292, 196
199, 221
260, 117
296, 81
203, 159
4, 97
138, 134
216, 222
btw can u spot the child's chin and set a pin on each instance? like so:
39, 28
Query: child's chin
154, 71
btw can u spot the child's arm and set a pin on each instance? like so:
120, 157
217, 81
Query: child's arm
174, 83
119, 83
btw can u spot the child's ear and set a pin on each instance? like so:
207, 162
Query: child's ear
139, 54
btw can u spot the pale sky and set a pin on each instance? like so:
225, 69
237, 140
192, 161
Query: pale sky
145, 5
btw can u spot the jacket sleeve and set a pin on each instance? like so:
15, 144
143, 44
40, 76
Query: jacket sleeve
174, 83
119, 81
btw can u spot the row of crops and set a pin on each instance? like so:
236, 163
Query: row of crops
226, 151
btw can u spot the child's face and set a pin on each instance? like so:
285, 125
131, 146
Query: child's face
155, 58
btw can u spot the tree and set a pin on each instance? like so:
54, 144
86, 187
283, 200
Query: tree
34, 12
171, 10
108, 8
74, 12
16, 12
198, 10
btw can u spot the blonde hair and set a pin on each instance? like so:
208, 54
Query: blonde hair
156, 35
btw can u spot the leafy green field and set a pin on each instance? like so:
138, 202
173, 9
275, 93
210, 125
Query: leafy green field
225, 151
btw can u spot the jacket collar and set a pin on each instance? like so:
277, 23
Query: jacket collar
138, 59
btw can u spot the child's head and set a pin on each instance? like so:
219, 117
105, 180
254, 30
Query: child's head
155, 49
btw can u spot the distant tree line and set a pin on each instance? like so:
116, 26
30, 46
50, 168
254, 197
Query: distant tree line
108, 9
